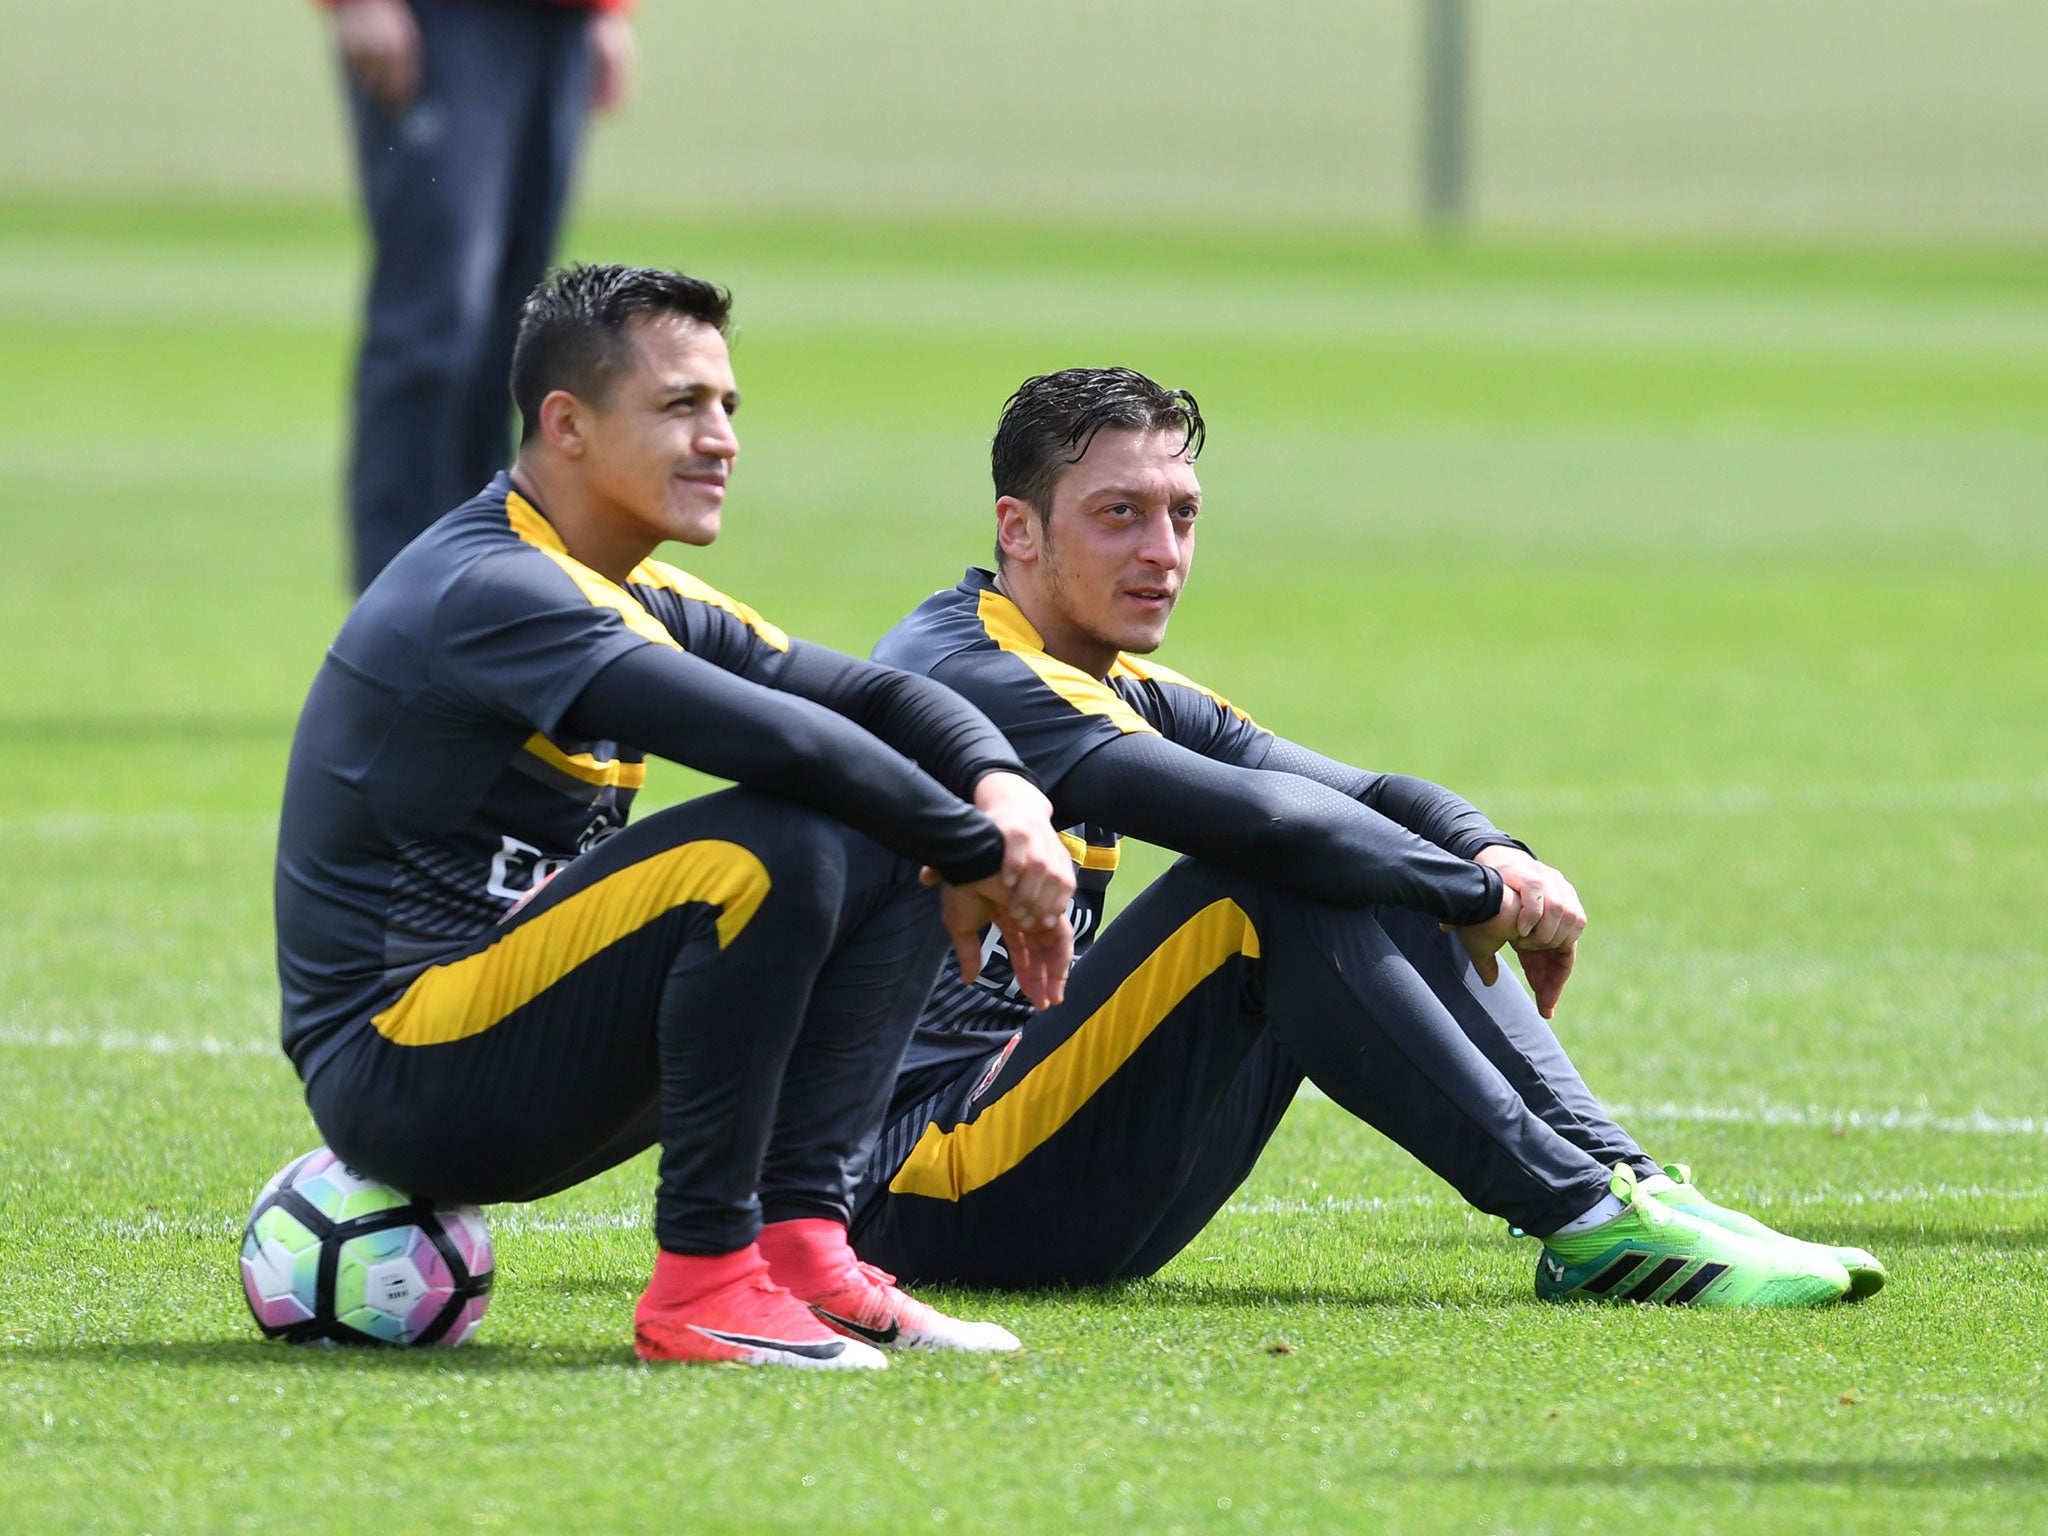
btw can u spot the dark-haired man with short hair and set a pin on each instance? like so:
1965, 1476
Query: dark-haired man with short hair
1328, 924
495, 988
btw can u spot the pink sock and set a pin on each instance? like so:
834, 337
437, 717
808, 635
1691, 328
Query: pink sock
682, 1278
809, 1256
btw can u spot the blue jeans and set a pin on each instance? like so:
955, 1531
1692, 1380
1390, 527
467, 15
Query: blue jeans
464, 194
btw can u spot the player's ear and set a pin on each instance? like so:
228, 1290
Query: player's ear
1018, 534
562, 422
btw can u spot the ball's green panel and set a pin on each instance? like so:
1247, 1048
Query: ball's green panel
341, 1194
278, 1225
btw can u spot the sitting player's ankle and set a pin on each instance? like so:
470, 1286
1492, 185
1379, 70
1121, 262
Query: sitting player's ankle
1602, 1211
809, 1255
683, 1278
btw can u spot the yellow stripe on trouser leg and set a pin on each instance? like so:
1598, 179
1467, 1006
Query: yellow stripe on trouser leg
467, 996
948, 1164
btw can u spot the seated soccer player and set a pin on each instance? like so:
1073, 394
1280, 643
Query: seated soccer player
494, 987
1328, 924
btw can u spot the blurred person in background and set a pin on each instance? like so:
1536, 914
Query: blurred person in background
467, 116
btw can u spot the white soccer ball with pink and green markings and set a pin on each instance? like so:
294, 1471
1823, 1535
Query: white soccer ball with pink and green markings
332, 1257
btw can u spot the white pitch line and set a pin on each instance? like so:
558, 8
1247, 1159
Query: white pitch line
1978, 1122
85, 826
504, 1220
517, 1221
1700, 800
122, 1042
1283, 1205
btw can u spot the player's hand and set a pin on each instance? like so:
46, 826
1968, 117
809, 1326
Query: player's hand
1551, 914
379, 42
1548, 970
613, 59
1026, 899
1039, 955
1482, 941
1038, 873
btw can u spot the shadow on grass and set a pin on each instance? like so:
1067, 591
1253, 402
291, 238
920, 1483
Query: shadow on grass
2022, 1471
261, 1354
1235, 1295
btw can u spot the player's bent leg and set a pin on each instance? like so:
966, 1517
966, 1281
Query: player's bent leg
838, 976
835, 1092
864, 1005
1250, 1110
1077, 1161
674, 961
1420, 1056
535, 1050
1056, 1168
1502, 1021
1368, 1028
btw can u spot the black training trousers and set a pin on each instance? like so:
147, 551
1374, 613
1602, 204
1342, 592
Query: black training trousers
735, 977
1122, 1120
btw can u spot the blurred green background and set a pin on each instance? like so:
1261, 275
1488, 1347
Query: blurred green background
1903, 118
1688, 510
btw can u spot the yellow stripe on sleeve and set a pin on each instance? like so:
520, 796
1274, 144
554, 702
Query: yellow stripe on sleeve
468, 996
536, 530
1012, 632
1151, 671
1088, 855
654, 573
585, 766
946, 1165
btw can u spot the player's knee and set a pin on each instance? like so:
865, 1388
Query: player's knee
1262, 900
805, 856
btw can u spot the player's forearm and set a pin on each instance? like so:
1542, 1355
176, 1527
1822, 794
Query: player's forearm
926, 721
1428, 810
693, 713
1283, 827
1433, 812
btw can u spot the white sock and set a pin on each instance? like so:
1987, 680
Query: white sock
1656, 1183
1604, 1210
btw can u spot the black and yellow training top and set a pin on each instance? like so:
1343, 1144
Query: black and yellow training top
485, 714
1148, 753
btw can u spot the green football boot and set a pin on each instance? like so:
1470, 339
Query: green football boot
1866, 1274
1654, 1252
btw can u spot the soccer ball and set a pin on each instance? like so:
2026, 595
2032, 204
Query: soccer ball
330, 1257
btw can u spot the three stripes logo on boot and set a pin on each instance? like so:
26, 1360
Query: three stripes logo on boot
1626, 1270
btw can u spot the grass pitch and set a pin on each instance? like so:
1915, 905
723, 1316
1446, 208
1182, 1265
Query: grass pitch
1719, 576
